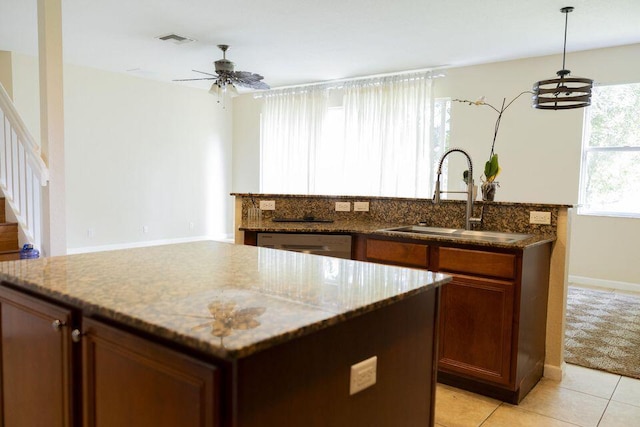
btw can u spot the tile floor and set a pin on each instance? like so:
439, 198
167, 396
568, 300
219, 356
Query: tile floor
585, 398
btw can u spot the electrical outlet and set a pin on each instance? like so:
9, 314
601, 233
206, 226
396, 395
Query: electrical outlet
343, 206
267, 205
363, 375
91, 233
191, 225
537, 217
361, 206
145, 229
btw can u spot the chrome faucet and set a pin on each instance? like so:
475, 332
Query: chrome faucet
469, 220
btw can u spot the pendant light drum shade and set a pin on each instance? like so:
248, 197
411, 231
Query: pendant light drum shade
564, 92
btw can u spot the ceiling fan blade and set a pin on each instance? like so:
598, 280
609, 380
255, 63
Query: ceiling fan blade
242, 74
258, 85
202, 72
247, 79
191, 80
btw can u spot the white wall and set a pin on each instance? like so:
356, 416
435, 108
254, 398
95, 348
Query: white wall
139, 153
246, 144
539, 150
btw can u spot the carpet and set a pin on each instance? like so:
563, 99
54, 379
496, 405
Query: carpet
603, 331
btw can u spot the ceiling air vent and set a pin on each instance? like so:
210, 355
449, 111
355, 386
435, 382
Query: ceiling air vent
175, 38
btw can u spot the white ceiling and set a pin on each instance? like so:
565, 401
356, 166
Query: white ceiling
302, 41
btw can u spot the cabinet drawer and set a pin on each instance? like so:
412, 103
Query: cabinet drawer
477, 262
404, 253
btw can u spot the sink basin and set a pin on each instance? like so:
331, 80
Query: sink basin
457, 233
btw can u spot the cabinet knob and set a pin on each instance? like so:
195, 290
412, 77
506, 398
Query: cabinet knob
57, 325
76, 335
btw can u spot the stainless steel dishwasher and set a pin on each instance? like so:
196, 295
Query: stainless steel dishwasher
335, 245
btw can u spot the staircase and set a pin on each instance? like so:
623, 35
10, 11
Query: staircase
9, 249
23, 173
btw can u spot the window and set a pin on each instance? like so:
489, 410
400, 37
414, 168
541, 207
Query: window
610, 182
377, 137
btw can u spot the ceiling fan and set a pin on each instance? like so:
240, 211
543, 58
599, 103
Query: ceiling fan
226, 76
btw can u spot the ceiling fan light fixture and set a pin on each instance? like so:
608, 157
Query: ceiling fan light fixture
232, 90
563, 92
215, 89
222, 88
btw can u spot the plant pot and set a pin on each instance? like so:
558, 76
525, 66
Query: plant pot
489, 190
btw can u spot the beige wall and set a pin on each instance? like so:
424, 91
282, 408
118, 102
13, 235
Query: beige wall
26, 91
6, 74
539, 150
604, 252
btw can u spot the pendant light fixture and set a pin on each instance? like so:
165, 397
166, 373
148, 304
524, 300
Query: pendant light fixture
564, 92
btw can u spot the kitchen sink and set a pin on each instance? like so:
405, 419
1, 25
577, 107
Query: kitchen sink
457, 233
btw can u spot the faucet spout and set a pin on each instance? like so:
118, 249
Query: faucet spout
469, 208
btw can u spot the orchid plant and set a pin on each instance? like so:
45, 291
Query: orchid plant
491, 167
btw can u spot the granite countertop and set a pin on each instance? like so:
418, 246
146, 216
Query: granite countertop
378, 228
222, 299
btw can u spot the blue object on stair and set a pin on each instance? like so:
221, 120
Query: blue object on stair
28, 252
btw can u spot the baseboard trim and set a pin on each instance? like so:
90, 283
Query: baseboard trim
88, 249
607, 284
555, 373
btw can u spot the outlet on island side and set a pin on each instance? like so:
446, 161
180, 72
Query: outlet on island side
363, 375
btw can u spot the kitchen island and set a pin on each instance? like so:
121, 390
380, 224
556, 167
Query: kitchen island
215, 334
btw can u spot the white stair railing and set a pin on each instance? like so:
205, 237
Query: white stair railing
22, 171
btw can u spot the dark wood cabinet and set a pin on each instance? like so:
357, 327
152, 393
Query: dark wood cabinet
493, 313
118, 379
128, 380
37, 362
476, 328
478, 316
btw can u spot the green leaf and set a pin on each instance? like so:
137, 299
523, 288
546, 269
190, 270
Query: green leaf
491, 168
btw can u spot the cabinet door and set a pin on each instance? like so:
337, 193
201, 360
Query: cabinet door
36, 362
476, 327
130, 381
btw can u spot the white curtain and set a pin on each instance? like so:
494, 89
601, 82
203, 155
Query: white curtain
388, 125
377, 143
291, 128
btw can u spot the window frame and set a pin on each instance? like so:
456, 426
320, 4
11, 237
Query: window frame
586, 149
